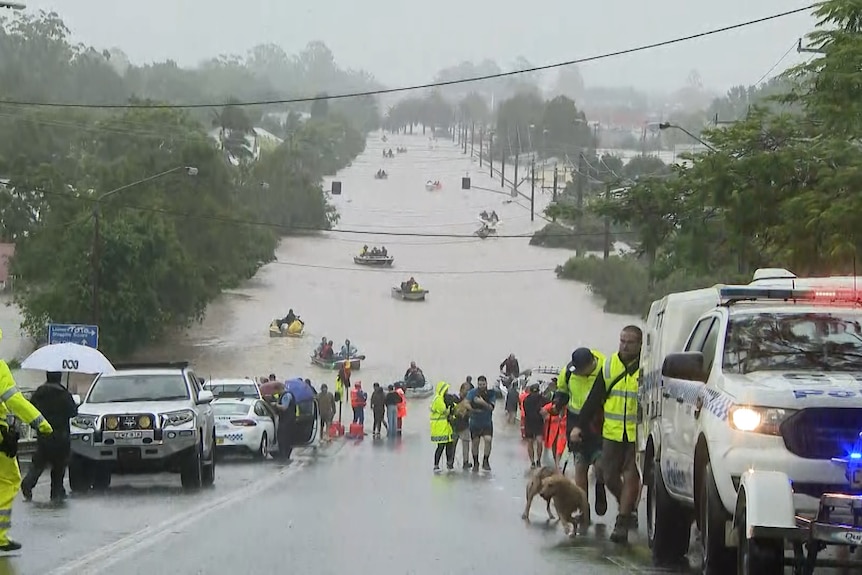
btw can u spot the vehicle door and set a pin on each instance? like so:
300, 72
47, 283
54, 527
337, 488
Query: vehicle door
204, 411
676, 395
265, 419
691, 410
314, 431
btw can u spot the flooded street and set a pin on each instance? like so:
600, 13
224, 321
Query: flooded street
487, 297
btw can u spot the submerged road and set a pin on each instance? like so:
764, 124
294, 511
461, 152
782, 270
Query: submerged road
354, 507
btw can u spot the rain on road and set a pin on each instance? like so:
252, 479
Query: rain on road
357, 507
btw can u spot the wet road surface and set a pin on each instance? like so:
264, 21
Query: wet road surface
354, 507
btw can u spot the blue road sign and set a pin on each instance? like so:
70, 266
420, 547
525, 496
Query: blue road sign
87, 335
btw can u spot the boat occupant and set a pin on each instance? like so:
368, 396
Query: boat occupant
319, 350
364, 251
348, 350
414, 377
327, 352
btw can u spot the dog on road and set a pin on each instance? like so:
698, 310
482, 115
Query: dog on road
567, 498
534, 488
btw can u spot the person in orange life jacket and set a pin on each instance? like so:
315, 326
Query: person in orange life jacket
554, 415
402, 407
521, 397
358, 400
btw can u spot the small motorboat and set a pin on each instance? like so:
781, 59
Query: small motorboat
409, 295
433, 186
277, 329
374, 261
381, 176
336, 362
490, 220
416, 388
486, 231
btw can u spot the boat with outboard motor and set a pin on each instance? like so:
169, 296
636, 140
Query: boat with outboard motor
433, 186
490, 220
381, 175
416, 386
486, 231
409, 295
295, 329
336, 362
378, 261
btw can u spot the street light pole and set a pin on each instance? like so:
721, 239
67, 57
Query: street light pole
667, 125
95, 254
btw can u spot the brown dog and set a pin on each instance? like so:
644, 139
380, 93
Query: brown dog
534, 487
568, 498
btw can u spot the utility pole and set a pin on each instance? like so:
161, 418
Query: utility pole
607, 253
503, 171
465, 139
555, 189
481, 144
582, 179
472, 136
491, 152
459, 135
533, 190
517, 162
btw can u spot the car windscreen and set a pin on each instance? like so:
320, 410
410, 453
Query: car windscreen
827, 340
125, 388
233, 389
230, 409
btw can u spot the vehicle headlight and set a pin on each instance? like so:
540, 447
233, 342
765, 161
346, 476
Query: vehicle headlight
175, 418
112, 422
765, 420
84, 421
145, 422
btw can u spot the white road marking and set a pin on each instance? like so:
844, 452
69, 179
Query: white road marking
100, 559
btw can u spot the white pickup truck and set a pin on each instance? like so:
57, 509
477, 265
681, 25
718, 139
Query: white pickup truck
752, 422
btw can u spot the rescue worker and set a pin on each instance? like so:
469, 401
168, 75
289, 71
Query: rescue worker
402, 406
577, 380
441, 427
286, 425
58, 406
358, 400
13, 403
510, 367
616, 392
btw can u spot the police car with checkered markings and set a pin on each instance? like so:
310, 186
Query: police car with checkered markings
752, 422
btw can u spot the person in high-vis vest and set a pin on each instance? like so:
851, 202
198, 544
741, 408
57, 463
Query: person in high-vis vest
576, 380
342, 385
402, 407
618, 397
442, 434
358, 400
13, 403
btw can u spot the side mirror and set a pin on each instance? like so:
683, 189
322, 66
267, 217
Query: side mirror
76, 398
205, 396
687, 365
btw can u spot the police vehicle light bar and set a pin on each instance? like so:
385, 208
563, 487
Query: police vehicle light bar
742, 293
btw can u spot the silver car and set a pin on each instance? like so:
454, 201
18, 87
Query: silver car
144, 418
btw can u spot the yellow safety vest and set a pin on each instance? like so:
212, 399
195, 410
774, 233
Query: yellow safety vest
579, 386
621, 405
13, 403
441, 428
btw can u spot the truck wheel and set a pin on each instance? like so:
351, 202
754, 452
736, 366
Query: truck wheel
716, 559
668, 522
191, 471
208, 469
101, 476
80, 474
757, 556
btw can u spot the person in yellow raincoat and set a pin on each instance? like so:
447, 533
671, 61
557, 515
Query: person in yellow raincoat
13, 403
441, 426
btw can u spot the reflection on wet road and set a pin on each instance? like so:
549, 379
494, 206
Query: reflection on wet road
360, 507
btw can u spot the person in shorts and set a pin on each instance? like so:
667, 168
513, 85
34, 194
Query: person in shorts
534, 424
482, 403
461, 424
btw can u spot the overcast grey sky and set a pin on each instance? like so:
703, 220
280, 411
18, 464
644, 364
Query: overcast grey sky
407, 41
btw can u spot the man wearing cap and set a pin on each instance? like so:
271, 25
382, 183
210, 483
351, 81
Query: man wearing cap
615, 393
577, 380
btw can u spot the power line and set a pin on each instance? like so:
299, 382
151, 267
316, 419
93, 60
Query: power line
382, 91
778, 63
312, 229
408, 271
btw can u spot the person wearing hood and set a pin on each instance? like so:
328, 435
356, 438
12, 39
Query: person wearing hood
378, 409
58, 406
441, 426
392, 400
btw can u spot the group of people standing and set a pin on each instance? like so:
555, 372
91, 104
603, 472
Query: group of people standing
466, 417
388, 407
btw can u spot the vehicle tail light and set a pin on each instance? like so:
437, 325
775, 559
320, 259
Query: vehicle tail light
243, 422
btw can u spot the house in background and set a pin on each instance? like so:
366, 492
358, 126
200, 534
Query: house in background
7, 252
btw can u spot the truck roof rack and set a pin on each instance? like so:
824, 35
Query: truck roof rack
152, 365
730, 295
